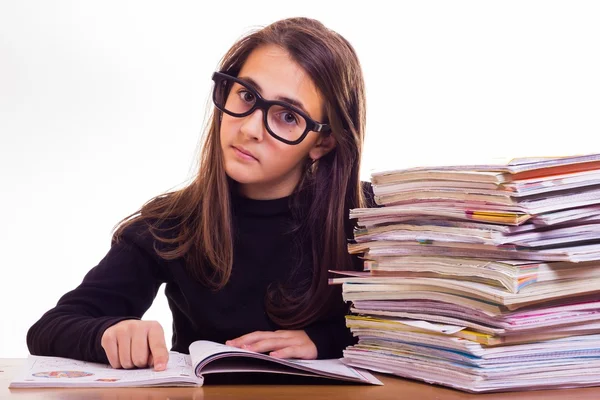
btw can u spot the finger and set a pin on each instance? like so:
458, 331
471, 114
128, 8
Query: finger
253, 337
150, 360
287, 333
302, 352
124, 347
109, 344
158, 348
139, 348
270, 344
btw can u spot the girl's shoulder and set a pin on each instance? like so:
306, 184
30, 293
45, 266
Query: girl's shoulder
159, 217
150, 234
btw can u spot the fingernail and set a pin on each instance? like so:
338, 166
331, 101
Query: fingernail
160, 366
228, 343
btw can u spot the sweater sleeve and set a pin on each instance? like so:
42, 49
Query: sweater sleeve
122, 286
330, 335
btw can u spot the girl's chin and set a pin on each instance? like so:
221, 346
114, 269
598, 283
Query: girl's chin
241, 176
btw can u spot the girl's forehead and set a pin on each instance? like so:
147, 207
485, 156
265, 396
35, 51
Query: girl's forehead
276, 75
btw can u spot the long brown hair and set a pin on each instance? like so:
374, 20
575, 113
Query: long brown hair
204, 224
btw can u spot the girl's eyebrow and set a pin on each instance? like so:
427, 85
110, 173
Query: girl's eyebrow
257, 87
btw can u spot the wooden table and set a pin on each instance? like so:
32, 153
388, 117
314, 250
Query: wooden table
394, 388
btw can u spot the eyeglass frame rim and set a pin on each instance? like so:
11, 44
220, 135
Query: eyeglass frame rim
264, 105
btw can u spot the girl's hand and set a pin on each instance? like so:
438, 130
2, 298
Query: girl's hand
133, 343
280, 344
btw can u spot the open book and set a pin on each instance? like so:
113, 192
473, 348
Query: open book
182, 369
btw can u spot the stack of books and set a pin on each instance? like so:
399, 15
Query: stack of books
482, 278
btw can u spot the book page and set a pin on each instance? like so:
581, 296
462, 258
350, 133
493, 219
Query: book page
203, 349
219, 358
63, 372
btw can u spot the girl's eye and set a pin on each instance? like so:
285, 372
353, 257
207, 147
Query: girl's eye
289, 118
246, 96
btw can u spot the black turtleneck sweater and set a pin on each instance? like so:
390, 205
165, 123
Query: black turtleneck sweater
124, 284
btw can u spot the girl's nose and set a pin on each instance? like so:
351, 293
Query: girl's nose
253, 126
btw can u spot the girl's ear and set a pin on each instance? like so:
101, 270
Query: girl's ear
323, 146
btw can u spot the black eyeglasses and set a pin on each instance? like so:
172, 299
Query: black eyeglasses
282, 120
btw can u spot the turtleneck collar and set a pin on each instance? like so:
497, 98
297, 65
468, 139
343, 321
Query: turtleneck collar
246, 206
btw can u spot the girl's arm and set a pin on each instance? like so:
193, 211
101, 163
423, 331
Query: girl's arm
122, 286
330, 335
325, 338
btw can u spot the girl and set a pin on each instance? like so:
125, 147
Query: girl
244, 249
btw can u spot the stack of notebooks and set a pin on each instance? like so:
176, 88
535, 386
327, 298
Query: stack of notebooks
482, 278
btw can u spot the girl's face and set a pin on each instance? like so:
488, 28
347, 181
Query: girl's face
265, 167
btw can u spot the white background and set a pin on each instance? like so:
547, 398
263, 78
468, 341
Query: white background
102, 104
